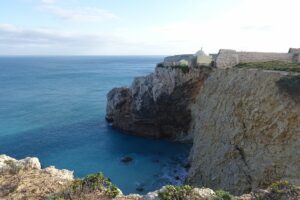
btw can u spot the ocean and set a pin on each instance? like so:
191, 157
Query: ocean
53, 108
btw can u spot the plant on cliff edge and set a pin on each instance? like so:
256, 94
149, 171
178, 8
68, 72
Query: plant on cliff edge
92, 184
223, 195
184, 68
283, 187
171, 192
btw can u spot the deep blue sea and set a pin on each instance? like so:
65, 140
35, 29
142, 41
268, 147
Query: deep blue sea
54, 108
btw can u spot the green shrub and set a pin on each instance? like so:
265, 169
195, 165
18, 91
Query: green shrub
272, 65
223, 195
90, 184
282, 187
175, 192
291, 85
182, 67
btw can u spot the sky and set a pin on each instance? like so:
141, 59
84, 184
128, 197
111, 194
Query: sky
146, 27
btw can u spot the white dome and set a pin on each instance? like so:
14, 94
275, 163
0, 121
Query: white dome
200, 53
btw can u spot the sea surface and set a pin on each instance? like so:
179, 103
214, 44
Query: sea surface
54, 108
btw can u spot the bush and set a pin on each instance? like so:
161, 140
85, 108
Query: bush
282, 187
291, 85
272, 65
223, 195
90, 184
184, 68
171, 192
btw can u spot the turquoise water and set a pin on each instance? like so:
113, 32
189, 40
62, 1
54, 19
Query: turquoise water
54, 108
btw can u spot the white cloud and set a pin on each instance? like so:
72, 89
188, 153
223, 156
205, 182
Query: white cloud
15, 40
49, 1
252, 25
80, 15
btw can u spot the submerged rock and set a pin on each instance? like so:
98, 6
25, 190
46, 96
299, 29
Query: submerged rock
127, 159
140, 189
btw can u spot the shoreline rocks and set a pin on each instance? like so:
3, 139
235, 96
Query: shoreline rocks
31, 182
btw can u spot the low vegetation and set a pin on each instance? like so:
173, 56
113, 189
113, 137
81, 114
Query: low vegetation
272, 65
281, 190
175, 192
291, 85
223, 195
283, 187
92, 186
184, 68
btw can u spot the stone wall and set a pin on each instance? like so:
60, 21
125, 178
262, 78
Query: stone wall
229, 58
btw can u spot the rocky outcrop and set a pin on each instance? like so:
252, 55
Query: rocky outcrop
246, 132
245, 129
24, 179
157, 105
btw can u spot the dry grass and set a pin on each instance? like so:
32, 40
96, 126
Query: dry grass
272, 65
29, 185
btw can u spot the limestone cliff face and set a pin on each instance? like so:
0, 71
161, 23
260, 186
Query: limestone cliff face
157, 105
246, 132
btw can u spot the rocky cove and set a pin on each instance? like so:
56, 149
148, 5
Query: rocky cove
243, 123
244, 126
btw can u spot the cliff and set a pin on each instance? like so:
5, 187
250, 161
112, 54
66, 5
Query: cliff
245, 129
157, 105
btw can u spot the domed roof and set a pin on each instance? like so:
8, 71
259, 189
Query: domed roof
200, 53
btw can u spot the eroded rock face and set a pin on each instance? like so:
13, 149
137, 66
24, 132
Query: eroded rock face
246, 132
157, 105
24, 179
8, 164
